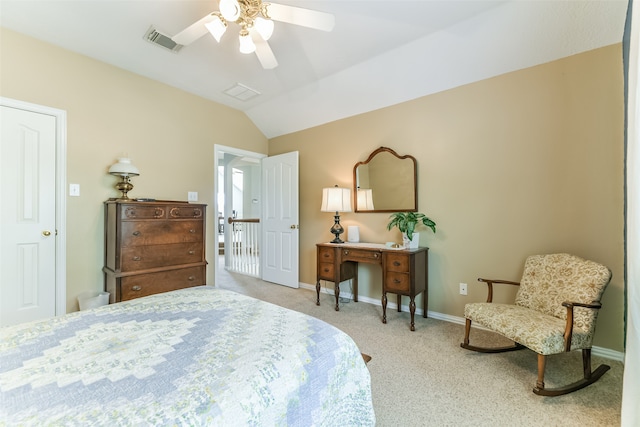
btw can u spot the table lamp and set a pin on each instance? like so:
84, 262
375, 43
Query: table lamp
335, 199
125, 169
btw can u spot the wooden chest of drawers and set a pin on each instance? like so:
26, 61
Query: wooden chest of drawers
153, 247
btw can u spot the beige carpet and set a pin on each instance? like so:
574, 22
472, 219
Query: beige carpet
424, 378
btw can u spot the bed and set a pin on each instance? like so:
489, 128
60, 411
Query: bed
198, 356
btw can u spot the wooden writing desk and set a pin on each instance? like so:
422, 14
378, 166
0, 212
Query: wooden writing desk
404, 271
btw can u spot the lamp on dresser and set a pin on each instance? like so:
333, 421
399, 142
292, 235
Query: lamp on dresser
336, 199
125, 169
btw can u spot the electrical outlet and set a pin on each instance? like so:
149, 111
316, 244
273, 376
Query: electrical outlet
463, 288
192, 196
74, 190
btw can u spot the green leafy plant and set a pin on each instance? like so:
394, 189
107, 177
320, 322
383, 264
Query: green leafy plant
407, 221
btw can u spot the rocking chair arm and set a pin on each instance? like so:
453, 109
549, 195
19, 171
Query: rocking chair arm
568, 328
490, 283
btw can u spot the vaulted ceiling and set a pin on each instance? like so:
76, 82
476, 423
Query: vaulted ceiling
380, 53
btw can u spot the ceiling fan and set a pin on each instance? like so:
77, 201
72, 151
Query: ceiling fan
255, 19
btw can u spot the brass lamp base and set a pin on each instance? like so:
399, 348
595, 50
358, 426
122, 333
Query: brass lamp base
124, 186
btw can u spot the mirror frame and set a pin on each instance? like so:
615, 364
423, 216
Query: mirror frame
415, 181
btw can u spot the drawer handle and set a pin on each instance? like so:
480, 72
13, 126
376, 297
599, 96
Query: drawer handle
326, 270
159, 212
192, 230
136, 288
136, 233
136, 258
346, 252
192, 278
396, 281
191, 252
396, 263
376, 255
325, 255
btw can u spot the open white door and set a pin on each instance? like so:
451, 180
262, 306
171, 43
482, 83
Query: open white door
28, 216
280, 217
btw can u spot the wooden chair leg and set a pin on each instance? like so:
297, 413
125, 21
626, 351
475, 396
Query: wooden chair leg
465, 343
589, 377
542, 361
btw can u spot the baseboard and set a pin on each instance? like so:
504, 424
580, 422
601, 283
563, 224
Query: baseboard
595, 350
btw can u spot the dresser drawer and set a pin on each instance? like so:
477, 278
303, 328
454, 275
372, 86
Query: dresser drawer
326, 271
397, 282
134, 258
397, 262
139, 233
143, 212
185, 212
154, 283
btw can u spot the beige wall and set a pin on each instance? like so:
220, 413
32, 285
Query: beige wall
169, 135
524, 163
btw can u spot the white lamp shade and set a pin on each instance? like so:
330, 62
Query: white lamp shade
335, 199
230, 10
264, 27
365, 199
217, 27
246, 44
124, 168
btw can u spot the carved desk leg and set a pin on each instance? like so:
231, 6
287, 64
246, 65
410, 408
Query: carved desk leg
412, 310
318, 292
384, 307
337, 292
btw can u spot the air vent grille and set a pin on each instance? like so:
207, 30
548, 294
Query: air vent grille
241, 92
156, 37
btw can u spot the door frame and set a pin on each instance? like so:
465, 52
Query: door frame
61, 201
217, 149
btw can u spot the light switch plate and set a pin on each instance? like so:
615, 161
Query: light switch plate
192, 196
74, 190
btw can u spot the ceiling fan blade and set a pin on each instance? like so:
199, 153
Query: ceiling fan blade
299, 16
263, 51
193, 32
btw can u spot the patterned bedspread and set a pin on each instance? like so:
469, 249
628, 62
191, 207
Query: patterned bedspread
199, 356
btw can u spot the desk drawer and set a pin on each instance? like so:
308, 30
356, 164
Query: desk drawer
397, 283
397, 262
326, 271
361, 255
326, 255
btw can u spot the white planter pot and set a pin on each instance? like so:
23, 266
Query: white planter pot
413, 243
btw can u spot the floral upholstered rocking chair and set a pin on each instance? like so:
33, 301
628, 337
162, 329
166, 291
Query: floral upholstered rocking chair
555, 311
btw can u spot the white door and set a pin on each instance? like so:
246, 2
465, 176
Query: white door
280, 226
27, 216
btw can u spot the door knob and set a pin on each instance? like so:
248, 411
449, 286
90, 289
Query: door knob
293, 227
46, 233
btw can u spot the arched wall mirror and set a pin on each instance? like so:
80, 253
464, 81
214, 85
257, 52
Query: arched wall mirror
386, 182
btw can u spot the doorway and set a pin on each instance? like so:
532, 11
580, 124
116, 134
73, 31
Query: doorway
238, 209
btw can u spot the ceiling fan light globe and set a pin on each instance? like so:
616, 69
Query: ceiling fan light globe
230, 10
264, 27
217, 27
246, 44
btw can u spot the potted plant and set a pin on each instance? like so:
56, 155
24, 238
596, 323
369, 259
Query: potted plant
407, 222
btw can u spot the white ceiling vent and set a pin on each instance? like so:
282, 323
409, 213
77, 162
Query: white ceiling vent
241, 92
156, 37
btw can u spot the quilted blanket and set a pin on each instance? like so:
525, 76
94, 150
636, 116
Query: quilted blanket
198, 356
